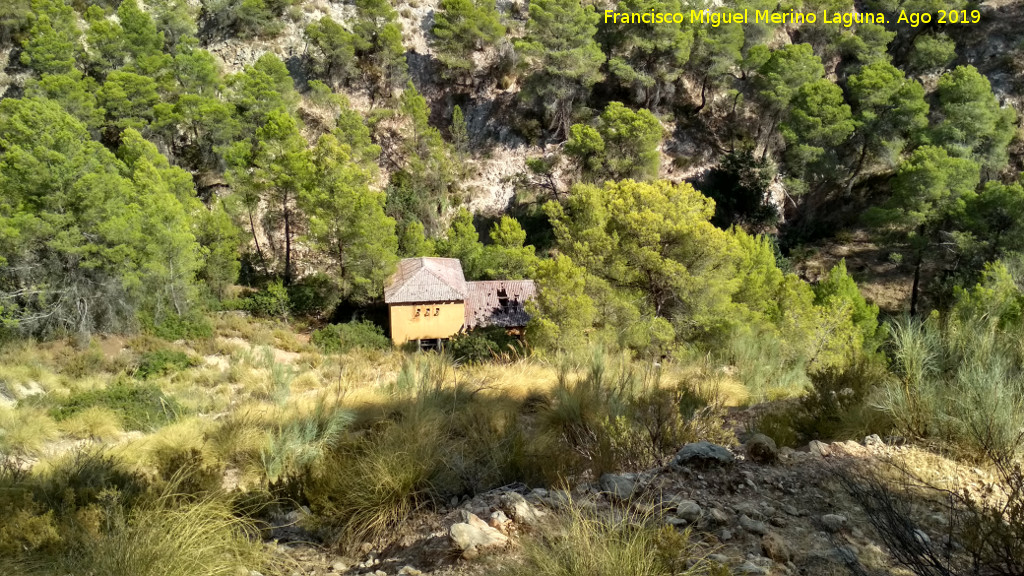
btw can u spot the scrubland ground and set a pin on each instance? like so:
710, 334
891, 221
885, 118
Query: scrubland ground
253, 451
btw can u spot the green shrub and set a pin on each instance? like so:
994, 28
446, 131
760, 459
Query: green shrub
335, 338
188, 472
271, 302
163, 361
314, 296
482, 344
191, 326
141, 406
83, 478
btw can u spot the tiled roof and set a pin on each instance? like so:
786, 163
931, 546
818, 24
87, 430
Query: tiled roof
499, 303
426, 280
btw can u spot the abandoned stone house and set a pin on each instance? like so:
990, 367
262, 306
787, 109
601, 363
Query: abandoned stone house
429, 301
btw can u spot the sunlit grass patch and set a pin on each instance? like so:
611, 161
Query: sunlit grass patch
94, 423
584, 543
24, 431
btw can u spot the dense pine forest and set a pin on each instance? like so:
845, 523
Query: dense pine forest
760, 235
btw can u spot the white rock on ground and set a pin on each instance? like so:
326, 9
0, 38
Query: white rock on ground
474, 536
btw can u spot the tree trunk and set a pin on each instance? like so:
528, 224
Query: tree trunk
703, 93
259, 251
287, 245
915, 288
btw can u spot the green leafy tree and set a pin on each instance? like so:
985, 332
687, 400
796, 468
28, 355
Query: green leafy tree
106, 42
460, 135
461, 28
222, 242
562, 59
818, 122
655, 240
508, 256
142, 39
75, 92
413, 242
129, 100
839, 290
463, 242
422, 187
14, 19
165, 244
261, 89
931, 188
378, 37
335, 50
347, 224
782, 75
647, 59
868, 43
969, 121
624, 144
890, 111
995, 217
51, 45
562, 313
716, 54
931, 52
87, 242
269, 178
175, 19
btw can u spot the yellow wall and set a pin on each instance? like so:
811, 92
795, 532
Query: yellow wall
433, 321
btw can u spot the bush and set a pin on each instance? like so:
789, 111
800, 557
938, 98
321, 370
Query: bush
335, 338
482, 344
163, 361
315, 296
271, 302
187, 472
191, 326
141, 406
84, 478
624, 420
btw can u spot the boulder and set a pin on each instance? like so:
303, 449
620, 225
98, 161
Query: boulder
873, 440
719, 516
753, 526
518, 508
762, 449
775, 547
475, 535
703, 453
689, 510
833, 522
819, 448
621, 486
751, 569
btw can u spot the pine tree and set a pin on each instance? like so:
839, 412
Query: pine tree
462, 27
648, 59
562, 58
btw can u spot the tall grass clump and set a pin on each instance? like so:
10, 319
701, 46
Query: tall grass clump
366, 487
620, 415
764, 366
591, 544
295, 446
960, 379
160, 539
